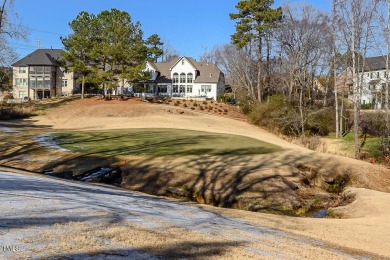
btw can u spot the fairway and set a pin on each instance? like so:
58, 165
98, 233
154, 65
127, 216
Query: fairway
161, 142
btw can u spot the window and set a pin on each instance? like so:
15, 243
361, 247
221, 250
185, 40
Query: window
377, 75
175, 78
46, 82
175, 89
385, 74
162, 89
182, 88
32, 70
64, 83
21, 82
371, 75
182, 78
47, 70
206, 88
189, 89
39, 70
22, 94
182, 62
32, 82
189, 78
22, 69
39, 82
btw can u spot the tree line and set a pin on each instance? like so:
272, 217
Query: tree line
295, 53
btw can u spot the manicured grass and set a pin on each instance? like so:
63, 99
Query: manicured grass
370, 147
161, 142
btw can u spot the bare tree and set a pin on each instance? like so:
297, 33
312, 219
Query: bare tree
10, 27
304, 45
238, 66
169, 53
356, 22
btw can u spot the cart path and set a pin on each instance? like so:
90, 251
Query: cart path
31, 204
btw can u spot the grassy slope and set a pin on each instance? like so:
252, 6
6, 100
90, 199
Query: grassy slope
370, 147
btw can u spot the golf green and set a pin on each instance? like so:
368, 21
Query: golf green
161, 142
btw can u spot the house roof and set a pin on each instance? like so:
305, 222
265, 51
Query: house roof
164, 67
153, 65
48, 57
207, 72
375, 63
189, 59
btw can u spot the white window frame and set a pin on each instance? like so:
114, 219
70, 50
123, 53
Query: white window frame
64, 83
22, 69
21, 82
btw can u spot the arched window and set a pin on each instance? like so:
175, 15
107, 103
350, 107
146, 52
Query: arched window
189, 78
175, 78
182, 78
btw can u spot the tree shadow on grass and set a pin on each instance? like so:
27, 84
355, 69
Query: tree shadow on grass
259, 179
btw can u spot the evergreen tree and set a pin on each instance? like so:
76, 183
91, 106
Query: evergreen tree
154, 45
255, 18
78, 46
107, 48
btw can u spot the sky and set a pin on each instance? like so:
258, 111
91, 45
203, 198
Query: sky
189, 27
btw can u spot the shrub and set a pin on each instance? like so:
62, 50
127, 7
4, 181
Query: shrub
195, 104
185, 105
226, 98
13, 112
321, 122
204, 102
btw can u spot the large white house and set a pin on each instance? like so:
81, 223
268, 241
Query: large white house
184, 77
374, 82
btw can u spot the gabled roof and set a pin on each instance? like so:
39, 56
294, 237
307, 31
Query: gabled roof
207, 72
164, 67
375, 63
189, 59
152, 65
43, 57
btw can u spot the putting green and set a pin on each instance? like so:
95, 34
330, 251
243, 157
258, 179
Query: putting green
161, 142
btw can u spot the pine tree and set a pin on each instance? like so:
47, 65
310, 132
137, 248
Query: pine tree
78, 46
154, 45
255, 18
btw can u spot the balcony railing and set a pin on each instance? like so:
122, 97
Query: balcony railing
40, 87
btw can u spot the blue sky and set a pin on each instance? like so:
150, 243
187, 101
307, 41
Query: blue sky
188, 26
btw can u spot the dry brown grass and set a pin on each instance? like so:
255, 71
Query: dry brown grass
80, 238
